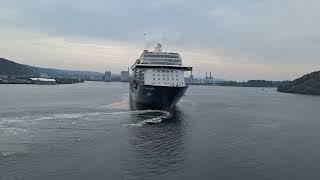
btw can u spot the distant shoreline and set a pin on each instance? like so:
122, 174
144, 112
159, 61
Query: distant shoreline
40, 81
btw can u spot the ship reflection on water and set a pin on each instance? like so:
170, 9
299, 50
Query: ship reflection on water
158, 147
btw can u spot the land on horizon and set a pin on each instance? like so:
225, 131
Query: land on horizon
308, 84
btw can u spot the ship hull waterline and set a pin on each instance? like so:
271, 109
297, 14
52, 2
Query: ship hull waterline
143, 97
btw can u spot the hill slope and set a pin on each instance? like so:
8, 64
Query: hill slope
307, 84
8, 67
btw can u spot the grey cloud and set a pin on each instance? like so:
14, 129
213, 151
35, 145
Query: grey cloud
280, 31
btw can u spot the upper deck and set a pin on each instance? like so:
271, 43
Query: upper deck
160, 66
159, 57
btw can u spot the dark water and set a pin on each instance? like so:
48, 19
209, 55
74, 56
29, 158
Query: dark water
86, 131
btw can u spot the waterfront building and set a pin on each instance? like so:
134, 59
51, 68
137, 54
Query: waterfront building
125, 76
191, 78
43, 81
3, 76
107, 76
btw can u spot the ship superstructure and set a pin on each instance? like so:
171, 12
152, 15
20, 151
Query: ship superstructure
158, 80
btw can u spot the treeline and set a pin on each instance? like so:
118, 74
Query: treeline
253, 83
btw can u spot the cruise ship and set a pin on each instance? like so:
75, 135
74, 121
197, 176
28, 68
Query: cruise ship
158, 80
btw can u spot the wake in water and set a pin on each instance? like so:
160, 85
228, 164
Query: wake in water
55, 116
102, 117
13, 124
153, 117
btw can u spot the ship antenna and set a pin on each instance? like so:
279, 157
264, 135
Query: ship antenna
145, 40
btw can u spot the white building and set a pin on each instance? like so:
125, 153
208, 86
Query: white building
125, 76
43, 81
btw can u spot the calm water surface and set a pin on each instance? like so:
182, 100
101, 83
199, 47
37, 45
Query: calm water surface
86, 131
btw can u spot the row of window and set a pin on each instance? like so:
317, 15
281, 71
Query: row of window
161, 60
165, 63
165, 75
172, 84
164, 71
166, 79
158, 55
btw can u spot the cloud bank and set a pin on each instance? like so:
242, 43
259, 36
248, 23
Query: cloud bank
249, 39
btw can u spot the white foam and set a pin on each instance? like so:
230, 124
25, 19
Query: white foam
47, 117
143, 112
157, 118
154, 120
8, 131
7, 154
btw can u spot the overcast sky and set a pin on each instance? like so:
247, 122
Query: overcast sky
238, 40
